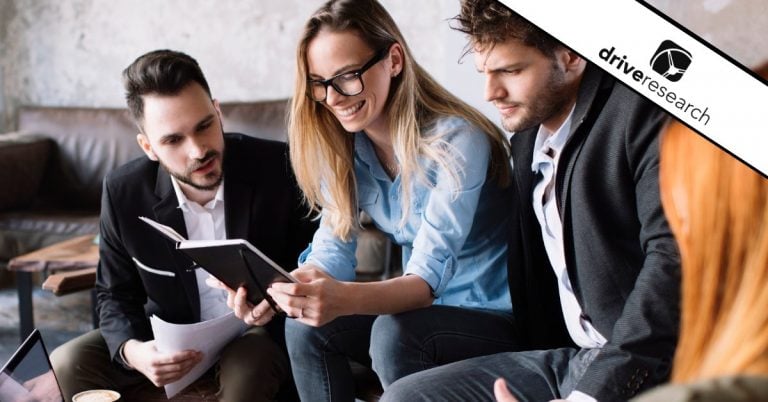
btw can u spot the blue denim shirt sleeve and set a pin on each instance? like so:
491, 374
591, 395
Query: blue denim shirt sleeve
330, 253
448, 215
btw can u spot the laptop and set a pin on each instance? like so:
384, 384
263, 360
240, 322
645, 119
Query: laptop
28, 375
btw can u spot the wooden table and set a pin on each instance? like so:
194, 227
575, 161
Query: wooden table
76, 254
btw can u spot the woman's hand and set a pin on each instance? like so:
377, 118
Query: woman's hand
316, 300
258, 315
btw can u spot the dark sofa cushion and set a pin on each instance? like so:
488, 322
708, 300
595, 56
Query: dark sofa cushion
90, 142
23, 158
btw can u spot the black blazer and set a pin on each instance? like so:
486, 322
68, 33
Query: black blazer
140, 273
622, 260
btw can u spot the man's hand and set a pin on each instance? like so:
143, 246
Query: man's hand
501, 392
258, 315
316, 300
160, 368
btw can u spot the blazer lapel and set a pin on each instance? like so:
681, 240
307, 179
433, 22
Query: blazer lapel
168, 213
588, 90
583, 115
238, 197
522, 144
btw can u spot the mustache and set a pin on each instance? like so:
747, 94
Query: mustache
202, 161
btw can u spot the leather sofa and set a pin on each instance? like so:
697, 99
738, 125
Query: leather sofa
52, 170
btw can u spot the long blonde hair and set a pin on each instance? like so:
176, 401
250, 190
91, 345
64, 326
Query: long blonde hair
322, 151
718, 210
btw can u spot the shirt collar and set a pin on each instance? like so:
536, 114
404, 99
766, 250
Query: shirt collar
508, 134
546, 140
367, 155
184, 201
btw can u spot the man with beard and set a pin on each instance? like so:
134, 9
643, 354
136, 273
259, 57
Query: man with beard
207, 185
594, 270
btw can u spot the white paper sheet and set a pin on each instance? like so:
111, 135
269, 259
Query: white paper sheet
208, 337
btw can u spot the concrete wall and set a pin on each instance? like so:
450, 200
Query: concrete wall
71, 52
737, 27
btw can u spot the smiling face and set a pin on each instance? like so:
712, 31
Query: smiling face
183, 133
526, 86
332, 53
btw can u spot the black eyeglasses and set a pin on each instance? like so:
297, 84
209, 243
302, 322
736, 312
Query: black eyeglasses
347, 84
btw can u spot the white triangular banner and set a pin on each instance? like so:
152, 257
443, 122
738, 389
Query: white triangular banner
676, 70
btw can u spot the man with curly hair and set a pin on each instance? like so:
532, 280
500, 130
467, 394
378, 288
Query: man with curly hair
594, 271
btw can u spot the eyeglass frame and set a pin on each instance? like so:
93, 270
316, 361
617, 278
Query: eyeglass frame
379, 56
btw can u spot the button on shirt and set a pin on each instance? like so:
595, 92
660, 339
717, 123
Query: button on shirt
546, 156
455, 241
205, 222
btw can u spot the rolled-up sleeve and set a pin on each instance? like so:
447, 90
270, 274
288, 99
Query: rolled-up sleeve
449, 213
330, 253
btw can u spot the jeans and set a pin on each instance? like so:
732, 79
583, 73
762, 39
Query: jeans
394, 345
320, 356
531, 376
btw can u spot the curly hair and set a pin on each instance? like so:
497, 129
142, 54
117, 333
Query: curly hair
488, 22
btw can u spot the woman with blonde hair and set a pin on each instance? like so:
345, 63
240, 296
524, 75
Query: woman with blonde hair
371, 130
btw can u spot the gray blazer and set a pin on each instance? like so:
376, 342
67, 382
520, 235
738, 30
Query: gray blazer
622, 259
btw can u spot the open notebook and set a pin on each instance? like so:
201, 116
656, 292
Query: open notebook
28, 375
235, 262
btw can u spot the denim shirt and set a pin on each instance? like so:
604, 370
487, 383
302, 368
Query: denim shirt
455, 241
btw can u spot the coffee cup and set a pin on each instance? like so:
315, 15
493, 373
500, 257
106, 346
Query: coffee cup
96, 395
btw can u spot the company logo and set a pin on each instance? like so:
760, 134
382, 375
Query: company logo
671, 60
673, 70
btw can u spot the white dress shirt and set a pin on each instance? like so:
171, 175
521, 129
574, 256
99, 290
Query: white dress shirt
205, 222
546, 156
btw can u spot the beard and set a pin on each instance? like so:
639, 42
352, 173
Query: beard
212, 179
547, 103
